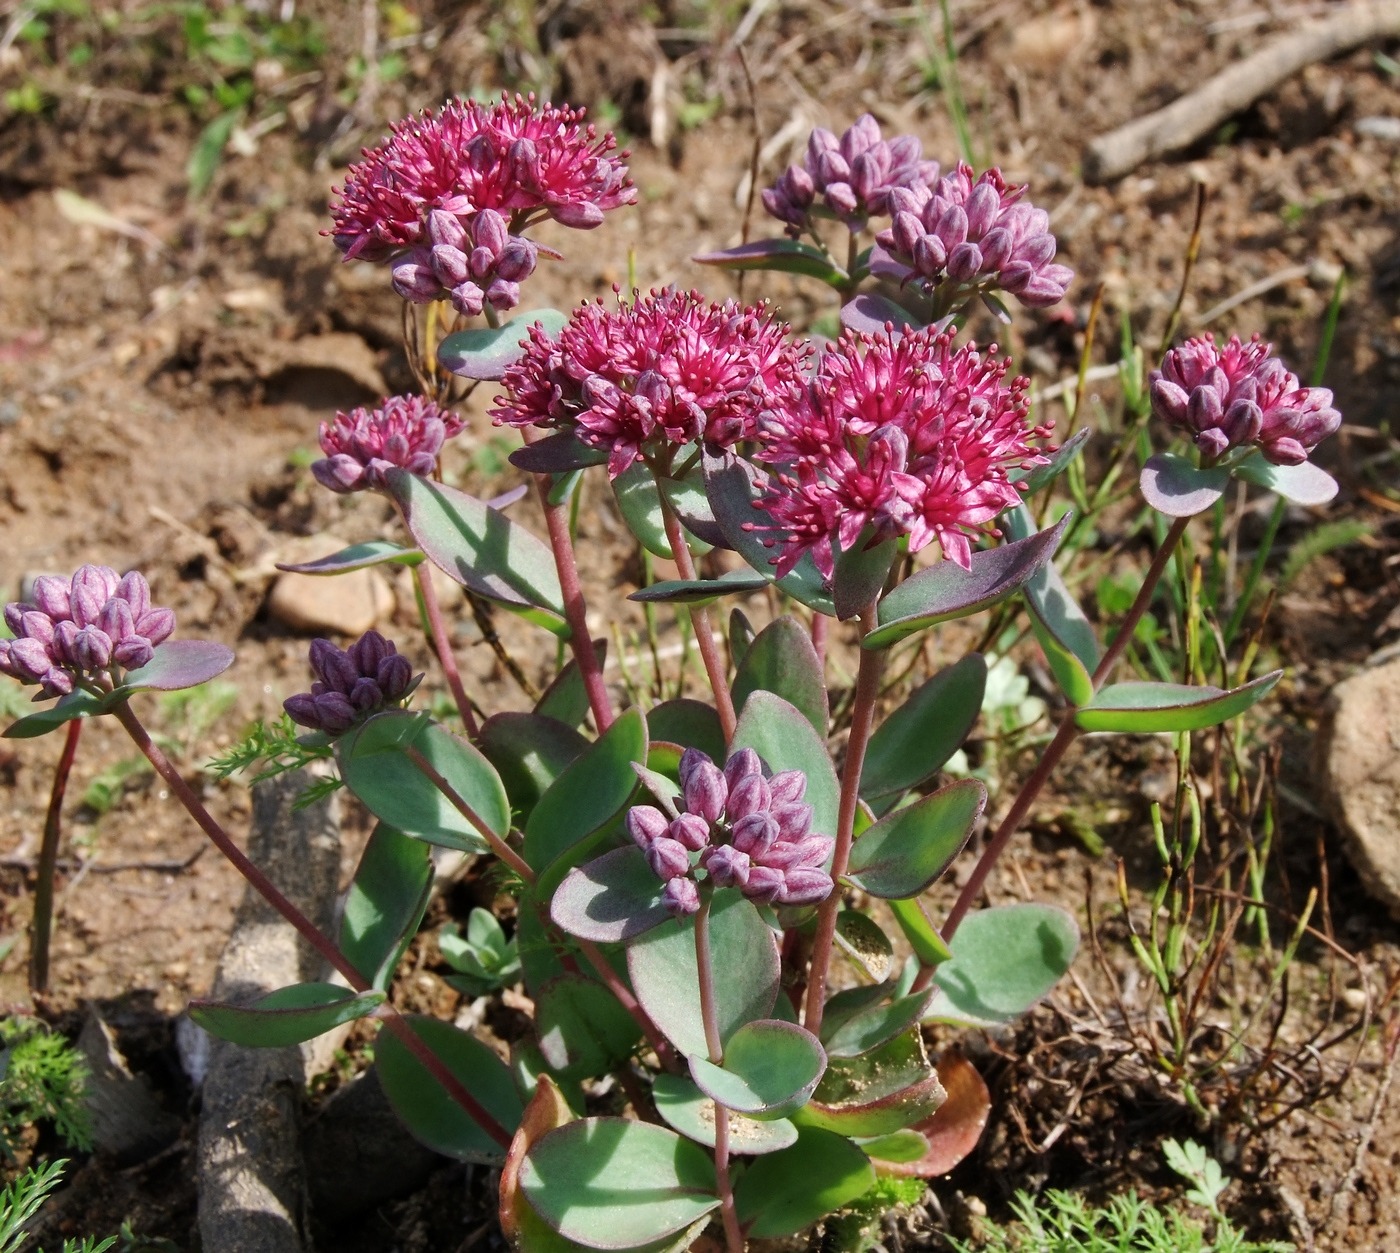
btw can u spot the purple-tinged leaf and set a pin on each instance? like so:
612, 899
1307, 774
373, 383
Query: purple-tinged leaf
784, 1193
869, 312
741, 636
287, 1016
74, 705
689, 723
692, 1113
786, 739
786, 256
179, 664
557, 454
583, 1030
1175, 486
700, 591
1038, 477
946, 590
1004, 960
770, 1069
1304, 484
880, 1091
529, 752
918, 737
783, 661
639, 502
385, 903
665, 977
481, 548
487, 352
375, 552
507, 498
732, 486
872, 1027
611, 1183
610, 899
903, 853
859, 575
956, 1126
1152, 707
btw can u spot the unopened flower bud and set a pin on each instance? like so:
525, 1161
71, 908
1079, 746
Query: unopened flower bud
646, 823
516, 261
755, 834
502, 295
413, 277
787, 787
681, 897
451, 266
744, 762
51, 596
706, 791
133, 653
92, 649
468, 299
690, 830
668, 858
804, 886
727, 866
446, 228
749, 795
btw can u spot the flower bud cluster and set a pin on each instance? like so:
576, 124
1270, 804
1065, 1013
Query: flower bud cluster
351, 684
473, 261
1241, 395
360, 446
973, 231
83, 630
854, 176
740, 829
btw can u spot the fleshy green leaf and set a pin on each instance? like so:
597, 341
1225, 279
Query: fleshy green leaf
179, 664
732, 486
426, 1110
863, 940
481, 548
770, 1069
945, 591
65, 709
917, 739
567, 698
689, 723
589, 793
529, 751
1039, 477
784, 1193
858, 576
559, 453
614, 1184
1149, 707
741, 636
692, 1113
610, 899
640, 505
667, 983
869, 1028
1304, 484
1004, 960
375, 766
375, 552
786, 256
927, 944
908, 849
786, 740
1176, 486
883, 1090
487, 352
385, 903
699, 591
899, 1146
783, 661
287, 1016
582, 1029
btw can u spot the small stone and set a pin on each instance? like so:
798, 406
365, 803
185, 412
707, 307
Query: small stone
340, 604
1359, 755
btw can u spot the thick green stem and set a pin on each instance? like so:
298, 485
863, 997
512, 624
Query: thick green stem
700, 620
48, 861
733, 1235
308, 930
862, 721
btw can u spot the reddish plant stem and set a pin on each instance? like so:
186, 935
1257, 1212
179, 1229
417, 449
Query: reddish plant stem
442, 645
700, 620
308, 930
704, 966
821, 626
660, 1045
862, 721
575, 609
48, 863
1055, 750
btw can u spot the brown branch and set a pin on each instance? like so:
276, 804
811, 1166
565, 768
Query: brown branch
1237, 87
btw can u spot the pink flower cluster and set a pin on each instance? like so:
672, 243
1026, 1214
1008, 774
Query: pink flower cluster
515, 159
1239, 395
667, 369
975, 232
750, 832
351, 684
361, 445
81, 630
854, 176
903, 435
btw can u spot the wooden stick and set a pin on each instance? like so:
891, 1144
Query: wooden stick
1235, 88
